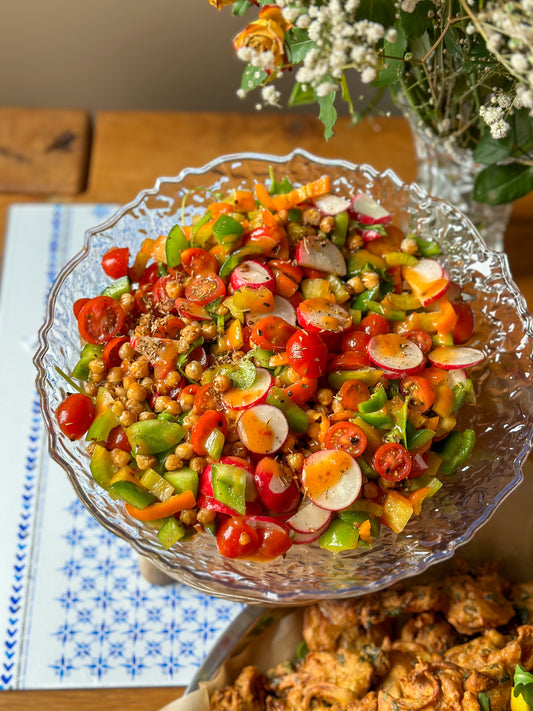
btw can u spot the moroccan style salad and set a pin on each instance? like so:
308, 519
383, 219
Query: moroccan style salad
286, 370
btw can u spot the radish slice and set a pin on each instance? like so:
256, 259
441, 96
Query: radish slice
282, 308
394, 353
212, 504
239, 398
369, 212
455, 377
330, 204
455, 357
427, 279
332, 479
252, 274
310, 519
319, 253
263, 429
323, 316
370, 235
276, 486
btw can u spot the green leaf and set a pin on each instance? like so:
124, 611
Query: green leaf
300, 96
394, 63
523, 685
490, 150
499, 184
521, 133
243, 376
483, 701
298, 44
240, 7
380, 11
414, 24
328, 113
175, 244
345, 93
252, 77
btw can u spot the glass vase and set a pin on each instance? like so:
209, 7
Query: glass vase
451, 178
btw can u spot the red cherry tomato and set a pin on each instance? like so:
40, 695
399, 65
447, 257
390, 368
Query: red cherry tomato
465, 324
100, 319
150, 275
420, 392
115, 262
160, 295
169, 327
307, 353
374, 324
187, 309
355, 341
111, 349
75, 415
302, 390
210, 420
392, 461
351, 360
204, 398
276, 487
118, 439
271, 333
394, 273
346, 436
421, 338
235, 538
205, 288
352, 393
273, 536
311, 273
197, 261
78, 305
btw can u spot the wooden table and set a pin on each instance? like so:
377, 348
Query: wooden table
131, 149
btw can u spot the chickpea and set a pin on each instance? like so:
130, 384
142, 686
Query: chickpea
136, 392
354, 242
325, 396
191, 332
97, 365
188, 517
198, 464
126, 352
147, 415
337, 405
327, 224
186, 401
140, 368
117, 408
209, 330
205, 516
194, 370
238, 449
173, 378
114, 375
120, 458
127, 302
355, 285
185, 451
173, 462
183, 345
90, 388
311, 216
161, 403
135, 406
190, 420
128, 380
173, 289
221, 383
295, 461
409, 245
282, 217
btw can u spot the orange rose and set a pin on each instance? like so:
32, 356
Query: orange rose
265, 34
219, 4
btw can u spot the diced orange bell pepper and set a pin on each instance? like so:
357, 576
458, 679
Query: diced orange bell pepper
259, 300
417, 498
141, 260
365, 533
158, 251
234, 338
264, 196
220, 208
306, 192
397, 510
244, 200
444, 400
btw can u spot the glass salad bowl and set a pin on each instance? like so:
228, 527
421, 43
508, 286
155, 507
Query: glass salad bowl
502, 417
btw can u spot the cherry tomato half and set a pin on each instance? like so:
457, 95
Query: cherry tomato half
465, 324
205, 288
160, 295
420, 392
78, 305
274, 539
118, 439
346, 436
115, 262
351, 360
355, 341
392, 461
210, 420
111, 349
272, 333
421, 338
308, 354
75, 415
235, 538
197, 261
100, 319
352, 393
374, 324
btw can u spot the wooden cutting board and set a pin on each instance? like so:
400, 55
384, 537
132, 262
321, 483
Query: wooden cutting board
43, 151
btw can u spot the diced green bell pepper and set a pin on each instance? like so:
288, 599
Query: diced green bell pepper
102, 425
456, 449
340, 536
88, 353
229, 486
361, 302
426, 247
154, 436
463, 393
296, 417
132, 494
175, 243
157, 485
338, 289
227, 230
214, 444
379, 418
375, 402
117, 288
369, 376
237, 258
340, 232
170, 532
418, 438
262, 357
101, 466
359, 517
184, 479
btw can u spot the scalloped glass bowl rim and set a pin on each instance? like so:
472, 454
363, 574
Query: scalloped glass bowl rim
241, 589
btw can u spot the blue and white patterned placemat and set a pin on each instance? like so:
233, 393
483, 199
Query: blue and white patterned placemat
74, 609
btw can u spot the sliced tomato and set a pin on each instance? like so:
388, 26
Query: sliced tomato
143, 297
346, 436
351, 360
355, 341
159, 293
352, 393
374, 325
78, 305
311, 273
421, 338
205, 288
465, 324
204, 398
271, 333
209, 421
75, 415
100, 319
420, 392
235, 538
392, 461
150, 275
308, 354
169, 327
111, 349
197, 261
189, 310
118, 439
273, 538
115, 262
288, 268
302, 390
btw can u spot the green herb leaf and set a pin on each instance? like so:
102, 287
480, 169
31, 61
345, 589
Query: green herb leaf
300, 96
490, 150
328, 113
483, 700
240, 7
298, 44
499, 184
252, 77
243, 376
394, 63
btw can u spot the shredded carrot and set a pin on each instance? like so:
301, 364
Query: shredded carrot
264, 196
307, 191
278, 359
162, 509
244, 200
341, 416
220, 208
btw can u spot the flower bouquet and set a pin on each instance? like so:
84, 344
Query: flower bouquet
460, 70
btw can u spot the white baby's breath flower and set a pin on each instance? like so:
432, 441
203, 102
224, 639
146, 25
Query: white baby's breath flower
368, 75
270, 95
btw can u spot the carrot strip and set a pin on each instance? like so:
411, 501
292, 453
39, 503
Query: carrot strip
264, 196
162, 509
278, 359
307, 191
